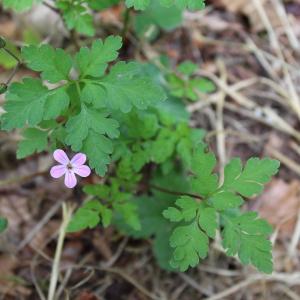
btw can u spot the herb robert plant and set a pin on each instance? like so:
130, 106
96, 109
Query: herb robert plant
127, 121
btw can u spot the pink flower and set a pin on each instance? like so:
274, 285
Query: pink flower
69, 167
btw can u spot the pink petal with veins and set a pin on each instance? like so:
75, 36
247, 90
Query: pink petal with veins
58, 171
83, 171
61, 157
70, 179
78, 160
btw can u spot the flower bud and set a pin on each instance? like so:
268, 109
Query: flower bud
2, 42
3, 88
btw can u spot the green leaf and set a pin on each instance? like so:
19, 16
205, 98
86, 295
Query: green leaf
173, 214
177, 85
19, 5
125, 88
187, 68
162, 250
54, 64
86, 132
3, 224
163, 146
190, 244
83, 23
32, 36
204, 85
246, 235
98, 148
250, 180
29, 102
129, 214
93, 62
120, 201
77, 17
225, 200
141, 124
189, 139
153, 224
91, 93
102, 4
208, 220
24, 104
106, 215
88, 216
190, 4
57, 101
6, 60
185, 86
182, 4
157, 15
188, 210
137, 4
35, 140
172, 111
139, 158
3, 88
126, 171
203, 163
79, 126
150, 212
99, 190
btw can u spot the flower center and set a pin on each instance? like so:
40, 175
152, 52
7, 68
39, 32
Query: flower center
69, 166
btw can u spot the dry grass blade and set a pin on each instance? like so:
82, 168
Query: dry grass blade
194, 284
290, 279
67, 213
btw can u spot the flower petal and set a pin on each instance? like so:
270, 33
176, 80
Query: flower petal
70, 179
83, 171
78, 160
57, 171
61, 156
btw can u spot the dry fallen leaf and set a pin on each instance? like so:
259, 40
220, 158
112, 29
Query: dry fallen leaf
280, 204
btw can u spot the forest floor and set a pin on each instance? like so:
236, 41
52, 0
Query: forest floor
251, 51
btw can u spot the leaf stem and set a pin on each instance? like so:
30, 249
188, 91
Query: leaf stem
16, 67
51, 7
167, 191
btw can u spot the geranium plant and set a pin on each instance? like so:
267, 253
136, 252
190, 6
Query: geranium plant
128, 121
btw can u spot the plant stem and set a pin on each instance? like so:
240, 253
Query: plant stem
164, 190
74, 39
126, 22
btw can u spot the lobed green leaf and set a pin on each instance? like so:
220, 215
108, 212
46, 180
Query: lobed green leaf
246, 235
250, 180
34, 140
54, 64
93, 61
